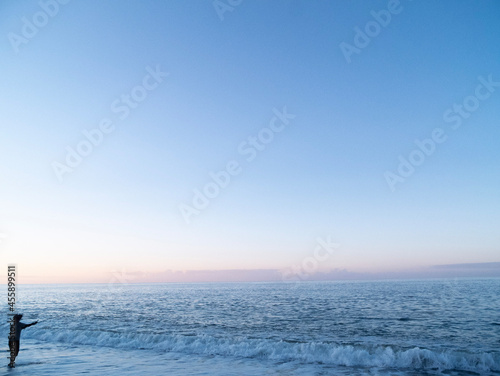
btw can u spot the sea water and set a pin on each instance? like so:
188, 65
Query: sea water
433, 327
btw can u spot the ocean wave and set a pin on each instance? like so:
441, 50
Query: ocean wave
282, 351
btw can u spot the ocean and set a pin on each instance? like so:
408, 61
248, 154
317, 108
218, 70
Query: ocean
425, 327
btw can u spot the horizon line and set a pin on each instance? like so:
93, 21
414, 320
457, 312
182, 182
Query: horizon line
444, 271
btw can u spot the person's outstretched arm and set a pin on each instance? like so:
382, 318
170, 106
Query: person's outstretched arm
33, 323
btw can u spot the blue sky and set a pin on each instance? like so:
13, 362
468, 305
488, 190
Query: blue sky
322, 176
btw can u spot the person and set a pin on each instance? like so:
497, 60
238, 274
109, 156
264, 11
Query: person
15, 336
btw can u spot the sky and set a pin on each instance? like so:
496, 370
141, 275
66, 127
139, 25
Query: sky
161, 137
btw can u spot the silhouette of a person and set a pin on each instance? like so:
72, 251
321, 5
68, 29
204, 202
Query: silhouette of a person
15, 336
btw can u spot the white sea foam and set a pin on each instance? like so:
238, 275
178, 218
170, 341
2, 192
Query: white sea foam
307, 352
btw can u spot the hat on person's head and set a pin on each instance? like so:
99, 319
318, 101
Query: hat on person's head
18, 316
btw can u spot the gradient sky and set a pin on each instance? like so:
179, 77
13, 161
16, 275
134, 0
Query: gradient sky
323, 176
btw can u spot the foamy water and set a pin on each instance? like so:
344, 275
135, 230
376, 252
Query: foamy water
385, 328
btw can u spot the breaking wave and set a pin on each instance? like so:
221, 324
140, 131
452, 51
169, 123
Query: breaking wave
282, 351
